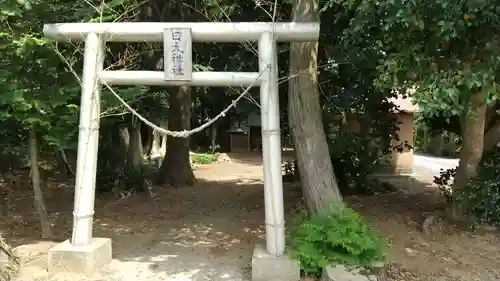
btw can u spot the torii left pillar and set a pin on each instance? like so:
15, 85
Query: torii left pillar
84, 253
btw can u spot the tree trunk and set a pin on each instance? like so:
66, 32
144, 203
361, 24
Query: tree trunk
425, 145
124, 138
440, 147
156, 145
176, 167
149, 140
62, 162
135, 152
471, 151
35, 179
319, 184
213, 137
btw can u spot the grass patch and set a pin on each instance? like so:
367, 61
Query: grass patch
204, 158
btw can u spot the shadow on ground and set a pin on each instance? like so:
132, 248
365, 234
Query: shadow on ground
255, 157
203, 232
421, 244
208, 231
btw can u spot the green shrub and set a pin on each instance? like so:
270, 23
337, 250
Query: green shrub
341, 236
357, 156
444, 182
481, 197
207, 158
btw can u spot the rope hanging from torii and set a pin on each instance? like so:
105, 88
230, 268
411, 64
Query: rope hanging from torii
181, 134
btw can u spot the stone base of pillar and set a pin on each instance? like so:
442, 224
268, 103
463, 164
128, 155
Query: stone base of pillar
266, 267
83, 260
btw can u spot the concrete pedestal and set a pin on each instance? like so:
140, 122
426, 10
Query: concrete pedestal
83, 260
267, 267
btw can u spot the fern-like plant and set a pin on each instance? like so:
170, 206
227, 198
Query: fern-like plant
340, 236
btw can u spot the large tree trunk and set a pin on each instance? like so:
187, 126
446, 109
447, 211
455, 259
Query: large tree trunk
318, 181
135, 151
176, 167
471, 151
35, 179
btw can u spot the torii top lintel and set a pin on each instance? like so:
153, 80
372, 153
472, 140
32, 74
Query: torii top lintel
201, 31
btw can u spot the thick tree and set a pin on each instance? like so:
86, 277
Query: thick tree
317, 177
176, 167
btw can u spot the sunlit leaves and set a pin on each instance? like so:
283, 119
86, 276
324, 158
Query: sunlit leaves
10, 8
448, 49
115, 3
31, 95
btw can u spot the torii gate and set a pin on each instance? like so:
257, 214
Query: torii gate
84, 253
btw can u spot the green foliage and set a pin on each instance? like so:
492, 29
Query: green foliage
341, 236
112, 174
204, 158
290, 171
351, 97
124, 178
440, 143
358, 155
38, 83
481, 197
442, 51
37, 89
444, 182
111, 162
355, 158
134, 179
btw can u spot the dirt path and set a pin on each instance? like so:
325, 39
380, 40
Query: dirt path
204, 232
432, 249
208, 231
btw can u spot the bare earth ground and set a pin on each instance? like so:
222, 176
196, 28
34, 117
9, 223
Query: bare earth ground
208, 231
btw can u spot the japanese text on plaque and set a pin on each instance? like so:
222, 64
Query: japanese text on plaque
177, 55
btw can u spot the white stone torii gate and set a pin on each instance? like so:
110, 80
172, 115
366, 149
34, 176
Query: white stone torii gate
83, 253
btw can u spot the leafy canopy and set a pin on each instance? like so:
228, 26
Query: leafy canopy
446, 50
